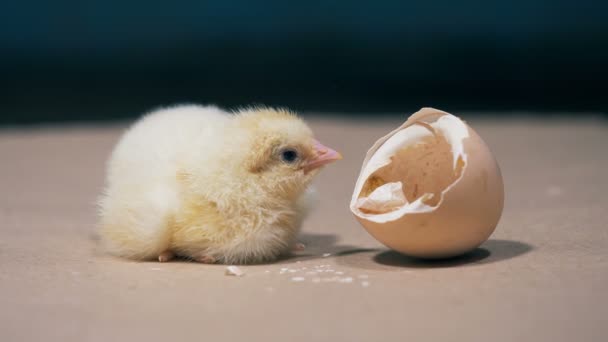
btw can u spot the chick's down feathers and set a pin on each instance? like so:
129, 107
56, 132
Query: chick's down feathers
205, 184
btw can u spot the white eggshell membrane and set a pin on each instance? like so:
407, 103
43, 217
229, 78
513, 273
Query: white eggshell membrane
387, 197
390, 195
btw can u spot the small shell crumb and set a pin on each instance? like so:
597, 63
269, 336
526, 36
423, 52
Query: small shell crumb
365, 283
234, 271
325, 255
297, 279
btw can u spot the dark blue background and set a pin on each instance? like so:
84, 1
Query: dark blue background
90, 60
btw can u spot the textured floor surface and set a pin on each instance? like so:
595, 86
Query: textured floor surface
542, 276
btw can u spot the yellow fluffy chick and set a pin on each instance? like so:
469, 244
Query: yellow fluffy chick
197, 182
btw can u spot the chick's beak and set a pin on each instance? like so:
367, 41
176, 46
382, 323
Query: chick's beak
323, 155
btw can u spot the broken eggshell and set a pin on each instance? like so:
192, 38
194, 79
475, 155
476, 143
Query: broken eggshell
429, 189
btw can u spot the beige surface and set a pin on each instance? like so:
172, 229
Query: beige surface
543, 275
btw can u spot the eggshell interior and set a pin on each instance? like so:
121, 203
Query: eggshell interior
426, 159
452, 192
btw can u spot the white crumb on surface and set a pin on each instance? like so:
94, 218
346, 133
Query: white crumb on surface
234, 271
155, 268
325, 255
329, 280
323, 273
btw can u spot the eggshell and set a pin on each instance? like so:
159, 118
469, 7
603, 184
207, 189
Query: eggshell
462, 214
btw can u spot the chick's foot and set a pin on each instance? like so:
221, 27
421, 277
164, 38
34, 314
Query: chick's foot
298, 246
165, 256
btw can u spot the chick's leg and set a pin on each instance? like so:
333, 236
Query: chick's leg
205, 259
165, 256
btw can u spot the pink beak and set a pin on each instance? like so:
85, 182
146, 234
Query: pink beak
324, 155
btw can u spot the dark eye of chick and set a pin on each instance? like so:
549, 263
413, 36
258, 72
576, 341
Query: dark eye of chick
289, 155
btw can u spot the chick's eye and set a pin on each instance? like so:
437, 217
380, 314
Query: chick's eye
289, 155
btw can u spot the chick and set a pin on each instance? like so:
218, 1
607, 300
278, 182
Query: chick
200, 183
